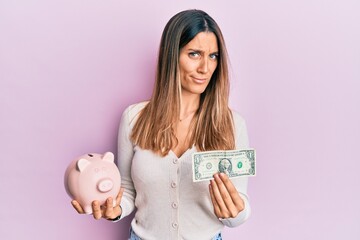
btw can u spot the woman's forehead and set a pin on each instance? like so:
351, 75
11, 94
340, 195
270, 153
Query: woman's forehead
203, 41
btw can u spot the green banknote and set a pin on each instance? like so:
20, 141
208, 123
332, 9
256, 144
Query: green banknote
234, 163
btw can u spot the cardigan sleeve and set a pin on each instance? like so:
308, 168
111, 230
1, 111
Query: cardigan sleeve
125, 155
242, 142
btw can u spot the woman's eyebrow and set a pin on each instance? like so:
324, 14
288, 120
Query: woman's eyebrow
195, 50
201, 51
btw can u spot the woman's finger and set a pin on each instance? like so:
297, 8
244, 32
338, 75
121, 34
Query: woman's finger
230, 197
96, 210
109, 211
223, 191
214, 202
77, 206
234, 194
219, 199
119, 196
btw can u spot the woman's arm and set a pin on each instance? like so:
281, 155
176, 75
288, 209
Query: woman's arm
229, 196
125, 155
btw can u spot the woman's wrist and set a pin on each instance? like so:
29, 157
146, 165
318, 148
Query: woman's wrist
116, 218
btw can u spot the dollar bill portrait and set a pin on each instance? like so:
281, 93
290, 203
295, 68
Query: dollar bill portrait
225, 166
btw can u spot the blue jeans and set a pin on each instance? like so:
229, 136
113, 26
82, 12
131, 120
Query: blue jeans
133, 236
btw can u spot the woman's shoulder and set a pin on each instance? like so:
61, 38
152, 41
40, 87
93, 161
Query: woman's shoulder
132, 111
241, 136
135, 108
237, 118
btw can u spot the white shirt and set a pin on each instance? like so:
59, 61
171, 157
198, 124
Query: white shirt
169, 204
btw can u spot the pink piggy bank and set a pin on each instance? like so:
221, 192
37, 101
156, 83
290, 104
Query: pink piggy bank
92, 177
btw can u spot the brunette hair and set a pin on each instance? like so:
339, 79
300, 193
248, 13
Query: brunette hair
212, 124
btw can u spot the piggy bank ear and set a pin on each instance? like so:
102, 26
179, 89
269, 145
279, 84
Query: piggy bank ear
82, 164
109, 157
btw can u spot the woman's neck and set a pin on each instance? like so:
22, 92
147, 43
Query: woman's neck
189, 105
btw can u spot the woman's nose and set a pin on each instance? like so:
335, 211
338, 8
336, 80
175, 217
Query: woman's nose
203, 65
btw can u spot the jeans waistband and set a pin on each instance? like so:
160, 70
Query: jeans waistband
133, 236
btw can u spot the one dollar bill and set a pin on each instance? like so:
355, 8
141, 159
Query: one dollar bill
234, 163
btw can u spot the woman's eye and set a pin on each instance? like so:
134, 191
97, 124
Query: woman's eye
194, 54
214, 56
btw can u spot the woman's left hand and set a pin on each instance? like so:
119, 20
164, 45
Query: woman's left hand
224, 196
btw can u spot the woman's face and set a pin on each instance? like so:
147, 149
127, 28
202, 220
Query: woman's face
198, 61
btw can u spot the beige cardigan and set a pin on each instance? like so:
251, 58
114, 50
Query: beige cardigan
169, 204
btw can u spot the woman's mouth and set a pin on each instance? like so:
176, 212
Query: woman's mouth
199, 80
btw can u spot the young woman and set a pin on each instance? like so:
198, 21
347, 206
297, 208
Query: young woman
188, 112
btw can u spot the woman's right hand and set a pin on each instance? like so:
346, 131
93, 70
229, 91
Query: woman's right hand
106, 210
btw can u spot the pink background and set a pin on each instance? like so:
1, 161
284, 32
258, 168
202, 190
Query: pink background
69, 68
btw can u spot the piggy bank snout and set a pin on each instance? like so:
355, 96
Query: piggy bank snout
105, 185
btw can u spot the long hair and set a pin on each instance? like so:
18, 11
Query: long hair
212, 123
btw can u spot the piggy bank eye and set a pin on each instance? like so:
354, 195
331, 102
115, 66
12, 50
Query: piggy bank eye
90, 155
